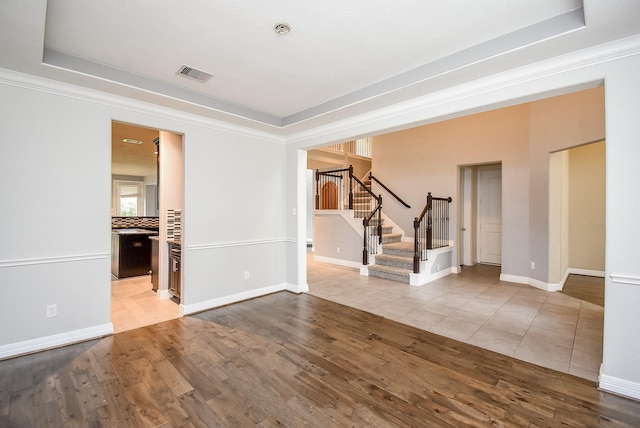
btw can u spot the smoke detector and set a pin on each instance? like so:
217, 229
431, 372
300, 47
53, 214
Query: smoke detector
282, 28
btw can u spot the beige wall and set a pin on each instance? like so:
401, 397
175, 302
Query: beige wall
427, 159
587, 207
557, 123
323, 159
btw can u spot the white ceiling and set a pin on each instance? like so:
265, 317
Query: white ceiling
341, 58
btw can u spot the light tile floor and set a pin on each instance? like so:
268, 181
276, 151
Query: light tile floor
552, 330
134, 304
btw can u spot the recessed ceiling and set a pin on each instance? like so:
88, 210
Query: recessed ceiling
339, 60
339, 53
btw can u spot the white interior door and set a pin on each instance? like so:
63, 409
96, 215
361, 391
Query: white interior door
490, 215
467, 217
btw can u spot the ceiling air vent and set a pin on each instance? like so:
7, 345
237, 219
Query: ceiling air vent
193, 73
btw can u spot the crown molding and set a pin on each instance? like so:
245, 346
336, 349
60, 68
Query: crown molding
567, 73
54, 87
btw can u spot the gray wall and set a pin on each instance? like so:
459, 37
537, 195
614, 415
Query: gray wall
331, 232
233, 217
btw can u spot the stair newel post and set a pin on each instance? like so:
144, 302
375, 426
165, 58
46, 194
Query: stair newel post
380, 219
429, 221
317, 189
350, 187
416, 245
365, 251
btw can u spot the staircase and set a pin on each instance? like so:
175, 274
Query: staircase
387, 256
396, 261
362, 201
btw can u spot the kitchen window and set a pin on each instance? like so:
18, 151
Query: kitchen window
128, 198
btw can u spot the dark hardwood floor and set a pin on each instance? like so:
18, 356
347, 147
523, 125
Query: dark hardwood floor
587, 288
293, 360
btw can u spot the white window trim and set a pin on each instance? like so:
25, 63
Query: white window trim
115, 196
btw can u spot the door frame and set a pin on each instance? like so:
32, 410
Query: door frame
479, 239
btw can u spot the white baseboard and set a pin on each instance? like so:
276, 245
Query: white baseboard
586, 272
619, 386
577, 271
530, 281
425, 276
54, 341
339, 262
164, 294
549, 286
233, 298
297, 288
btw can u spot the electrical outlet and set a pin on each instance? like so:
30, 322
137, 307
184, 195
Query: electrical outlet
533, 265
338, 250
52, 311
246, 274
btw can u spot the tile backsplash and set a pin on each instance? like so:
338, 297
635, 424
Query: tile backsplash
174, 224
135, 222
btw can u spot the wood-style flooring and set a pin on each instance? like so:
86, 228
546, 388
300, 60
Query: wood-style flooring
550, 329
587, 288
293, 360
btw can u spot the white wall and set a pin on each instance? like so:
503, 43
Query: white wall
55, 170
234, 217
295, 220
620, 371
55, 145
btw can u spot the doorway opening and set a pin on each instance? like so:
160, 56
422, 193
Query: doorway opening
143, 159
577, 198
481, 214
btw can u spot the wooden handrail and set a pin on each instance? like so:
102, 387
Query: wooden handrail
335, 173
365, 225
389, 190
417, 226
358, 211
373, 195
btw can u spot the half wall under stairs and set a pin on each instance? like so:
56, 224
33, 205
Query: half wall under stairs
338, 240
395, 263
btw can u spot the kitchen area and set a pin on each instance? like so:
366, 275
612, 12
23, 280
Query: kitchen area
146, 247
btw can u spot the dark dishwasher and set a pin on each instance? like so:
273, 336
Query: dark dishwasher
130, 252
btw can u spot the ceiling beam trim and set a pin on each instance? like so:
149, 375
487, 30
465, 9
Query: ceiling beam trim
536, 33
74, 64
544, 30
